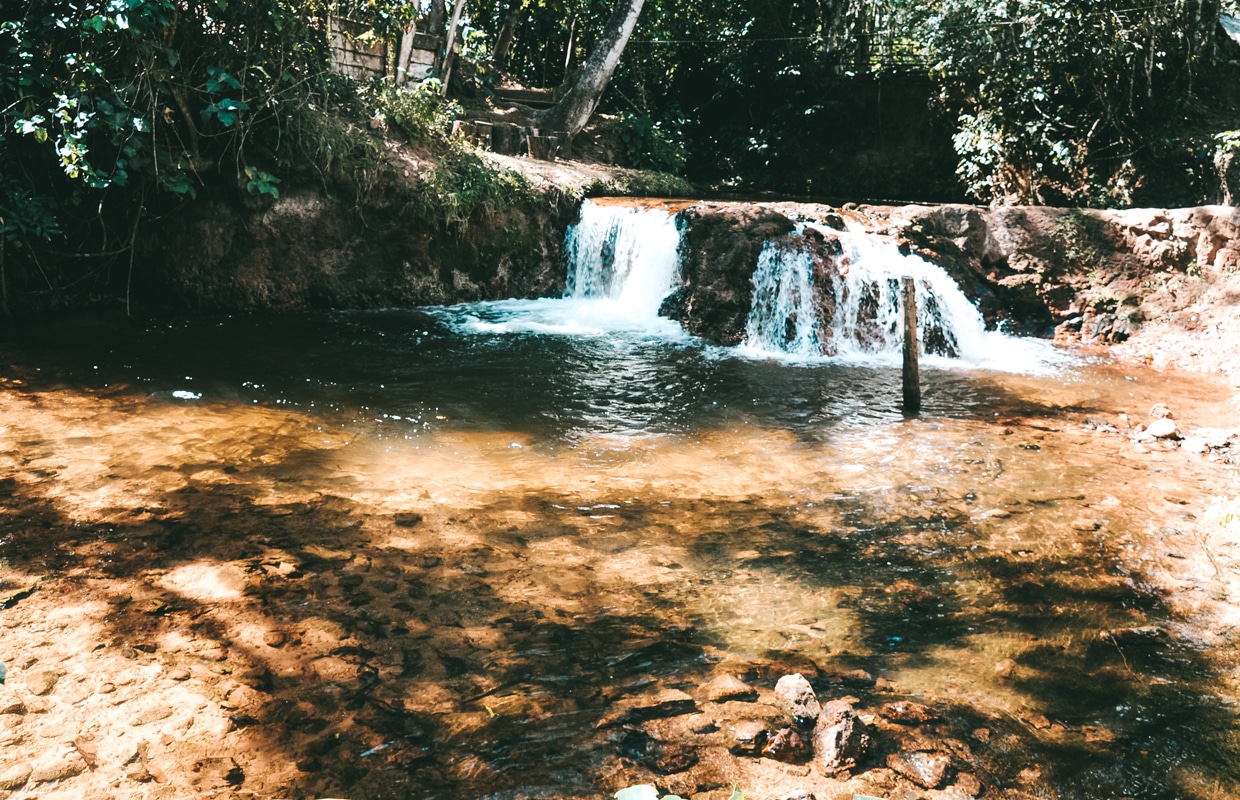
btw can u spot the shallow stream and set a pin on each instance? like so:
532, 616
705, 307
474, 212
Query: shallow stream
516, 524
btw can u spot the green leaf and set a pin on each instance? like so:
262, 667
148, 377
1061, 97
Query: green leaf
737, 794
219, 80
642, 791
178, 183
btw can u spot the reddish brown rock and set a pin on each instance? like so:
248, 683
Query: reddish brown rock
907, 713
787, 746
841, 739
927, 770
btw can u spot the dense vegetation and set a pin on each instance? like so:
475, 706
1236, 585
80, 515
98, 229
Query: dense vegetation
114, 110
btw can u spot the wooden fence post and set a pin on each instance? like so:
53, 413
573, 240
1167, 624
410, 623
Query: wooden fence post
912, 378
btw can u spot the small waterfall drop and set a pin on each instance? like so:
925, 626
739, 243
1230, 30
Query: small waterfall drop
623, 254
821, 293
784, 314
623, 259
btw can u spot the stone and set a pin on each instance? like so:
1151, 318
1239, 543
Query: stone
968, 784
151, 714
1160, 411
1036, 721
42, 683
1164, 428
1085, 525
907, 713
15, 776
667, 703
13, 707
179, 675
748, 737
841, 738
800, 794
723, 688
787, 746
796, 698
1194, 444
927, 770
1005, 670
57, 769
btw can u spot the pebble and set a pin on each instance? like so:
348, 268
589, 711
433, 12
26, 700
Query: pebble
275, 638
1005, 670
15, 776
1164, 428
179, 674
1085, 525
57, 769
42, 683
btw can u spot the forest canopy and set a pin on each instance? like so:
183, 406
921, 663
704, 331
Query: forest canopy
111, 106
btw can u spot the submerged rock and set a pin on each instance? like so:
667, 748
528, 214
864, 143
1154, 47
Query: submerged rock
907, 713
841, 739
748, 737
667, 703
727, 687
927, 770
787, 746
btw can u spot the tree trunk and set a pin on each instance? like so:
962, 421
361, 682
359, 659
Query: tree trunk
508, 33
449, 56
573, 112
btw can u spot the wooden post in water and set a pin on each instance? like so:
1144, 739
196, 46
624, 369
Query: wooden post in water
912, 378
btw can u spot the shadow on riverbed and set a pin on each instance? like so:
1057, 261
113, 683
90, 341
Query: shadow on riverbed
516, 645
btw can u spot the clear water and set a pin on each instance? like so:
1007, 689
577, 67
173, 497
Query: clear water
606, 507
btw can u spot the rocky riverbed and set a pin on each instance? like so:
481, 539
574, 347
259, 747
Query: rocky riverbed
216, 599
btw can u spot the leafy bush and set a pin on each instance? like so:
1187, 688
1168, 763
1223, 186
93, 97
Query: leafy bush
420, 113
650, 145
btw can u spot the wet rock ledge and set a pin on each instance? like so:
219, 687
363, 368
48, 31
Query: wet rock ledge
1083, 276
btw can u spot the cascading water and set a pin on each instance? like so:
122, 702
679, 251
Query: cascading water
817, 293
627, 255
842, 299
622, 261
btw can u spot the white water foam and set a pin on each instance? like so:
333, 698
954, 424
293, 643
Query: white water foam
622, 262
867, 319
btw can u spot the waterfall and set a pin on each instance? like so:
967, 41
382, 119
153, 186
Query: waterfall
622, 261
784, 314
623, 254
819, 292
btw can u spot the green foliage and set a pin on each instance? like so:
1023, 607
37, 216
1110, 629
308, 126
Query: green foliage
1053, 97
462, 184
650, 145
420, 114
105, 101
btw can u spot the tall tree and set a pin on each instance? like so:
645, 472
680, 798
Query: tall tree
573, 111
